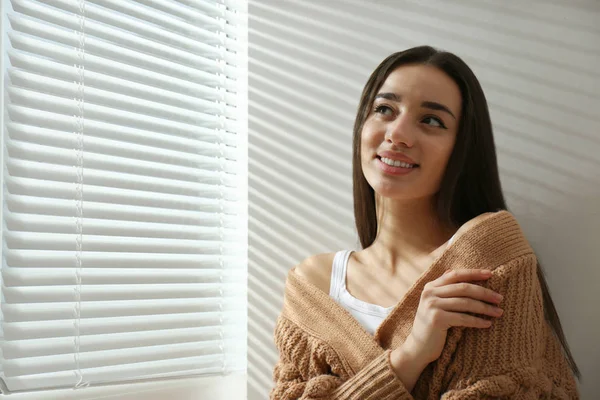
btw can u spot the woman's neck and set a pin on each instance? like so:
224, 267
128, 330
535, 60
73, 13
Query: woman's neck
407, 231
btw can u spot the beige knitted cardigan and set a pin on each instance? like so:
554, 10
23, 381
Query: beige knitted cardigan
326, 354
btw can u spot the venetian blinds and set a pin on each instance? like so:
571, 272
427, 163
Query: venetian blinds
124, 212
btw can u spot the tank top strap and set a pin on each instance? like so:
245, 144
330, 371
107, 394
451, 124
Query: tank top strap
338, 273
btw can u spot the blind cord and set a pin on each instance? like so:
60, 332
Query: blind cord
221, 131
79, 132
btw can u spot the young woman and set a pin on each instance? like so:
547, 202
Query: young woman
446, 299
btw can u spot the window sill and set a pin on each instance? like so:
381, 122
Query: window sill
213, 388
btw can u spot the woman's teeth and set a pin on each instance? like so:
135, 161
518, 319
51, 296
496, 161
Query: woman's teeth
393, 163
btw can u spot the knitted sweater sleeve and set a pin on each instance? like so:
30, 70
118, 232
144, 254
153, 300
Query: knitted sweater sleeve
306, 371
518, 357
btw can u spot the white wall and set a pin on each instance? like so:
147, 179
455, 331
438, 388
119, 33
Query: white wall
539, 65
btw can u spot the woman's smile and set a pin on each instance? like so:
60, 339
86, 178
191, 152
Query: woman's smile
393, 169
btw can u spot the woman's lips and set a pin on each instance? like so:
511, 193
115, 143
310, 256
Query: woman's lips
388, 169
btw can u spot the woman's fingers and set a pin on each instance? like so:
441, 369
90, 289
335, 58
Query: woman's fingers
451, 299
455, 284
464, 289
469, 321
462, 275
464, 305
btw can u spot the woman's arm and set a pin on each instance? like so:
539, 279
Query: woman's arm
302, 374
407, 365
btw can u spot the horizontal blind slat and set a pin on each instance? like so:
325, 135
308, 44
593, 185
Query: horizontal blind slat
122, 373
19, 202
55, 293
209, 187
148, 246
15, 277
93, 343
18, 222
29, 312
105, 358
66, 259
41, 278
99, 326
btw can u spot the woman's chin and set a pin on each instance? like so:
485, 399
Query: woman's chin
395, 192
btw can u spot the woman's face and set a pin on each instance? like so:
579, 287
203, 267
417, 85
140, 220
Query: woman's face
415, 114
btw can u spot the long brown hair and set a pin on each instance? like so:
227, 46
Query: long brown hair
471, 183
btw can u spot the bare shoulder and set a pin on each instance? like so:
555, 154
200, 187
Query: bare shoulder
317, 270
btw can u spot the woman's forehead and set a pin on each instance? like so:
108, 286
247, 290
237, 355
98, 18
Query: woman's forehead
423, 83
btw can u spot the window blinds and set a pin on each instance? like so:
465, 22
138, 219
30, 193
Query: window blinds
124, 233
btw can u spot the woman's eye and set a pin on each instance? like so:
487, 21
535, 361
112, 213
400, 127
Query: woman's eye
379, 109
382, 109
439, 122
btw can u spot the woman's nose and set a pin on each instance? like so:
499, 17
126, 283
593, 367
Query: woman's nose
401, 131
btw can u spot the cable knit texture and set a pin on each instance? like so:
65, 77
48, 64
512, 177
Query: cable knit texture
326, 354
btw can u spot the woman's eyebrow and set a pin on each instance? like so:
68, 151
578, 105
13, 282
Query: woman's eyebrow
432, 105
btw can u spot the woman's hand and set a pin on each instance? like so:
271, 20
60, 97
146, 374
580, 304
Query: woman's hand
444, 304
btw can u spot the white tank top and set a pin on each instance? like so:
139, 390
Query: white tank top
368, 315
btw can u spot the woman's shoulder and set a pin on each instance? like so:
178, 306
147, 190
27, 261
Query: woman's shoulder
473, 222
316, 269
